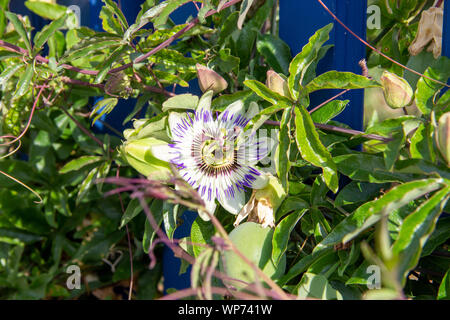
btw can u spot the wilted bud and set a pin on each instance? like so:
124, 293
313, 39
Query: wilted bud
139, 155
397, 91
118, 84
263, 204
443, 136
210, 80
276, 83
429, 31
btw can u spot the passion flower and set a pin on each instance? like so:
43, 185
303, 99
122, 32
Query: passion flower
255, 243
214, 155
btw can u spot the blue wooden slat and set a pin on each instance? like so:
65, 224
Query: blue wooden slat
299, 20
446, 30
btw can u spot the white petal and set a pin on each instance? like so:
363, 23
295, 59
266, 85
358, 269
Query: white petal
257, 150
163, 152
176, 119
233, 204
211, 207
245, 210
260, 181
205, 102
252, 111
233, 110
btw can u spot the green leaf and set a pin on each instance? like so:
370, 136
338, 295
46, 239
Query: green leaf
312, 149
220, 103
357, 192
439, 236
422, 167
117, 12
158, 210
421, 146
310, 73
329, 111
145, 18
170, 217
206, 7
20, 28
77, 164
164, 12
3, 6
181, 101
9, 71
228, 27
302, 265
276, 52
426, 89
86, 184
369, 168
247, 36
245, 6
318, 192
282, 233
103, 171
109, 22
103, 107
141, 101
264, 92
201, 233
321, 226
88, 47
282, 162
291, 204
42, 37
9, 54
98, 246
340, 80
316, 286
444, 288
46, 10
106, 65
132, 210
17, 236
393, 148
24, 81
370, 213
302, 61
415, 231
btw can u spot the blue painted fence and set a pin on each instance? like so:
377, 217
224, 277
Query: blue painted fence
344, 56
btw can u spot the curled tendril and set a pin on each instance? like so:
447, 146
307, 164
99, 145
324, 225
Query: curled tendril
13, 151
17, 139
25, 186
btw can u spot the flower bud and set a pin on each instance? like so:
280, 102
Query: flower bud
139, 155
146, 128
443, 136
277, 84
397, 91
118, 84
210, 80
263, 204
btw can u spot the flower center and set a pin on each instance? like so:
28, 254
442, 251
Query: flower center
218, 153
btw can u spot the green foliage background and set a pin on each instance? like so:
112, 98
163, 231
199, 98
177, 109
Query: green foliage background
390, 213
